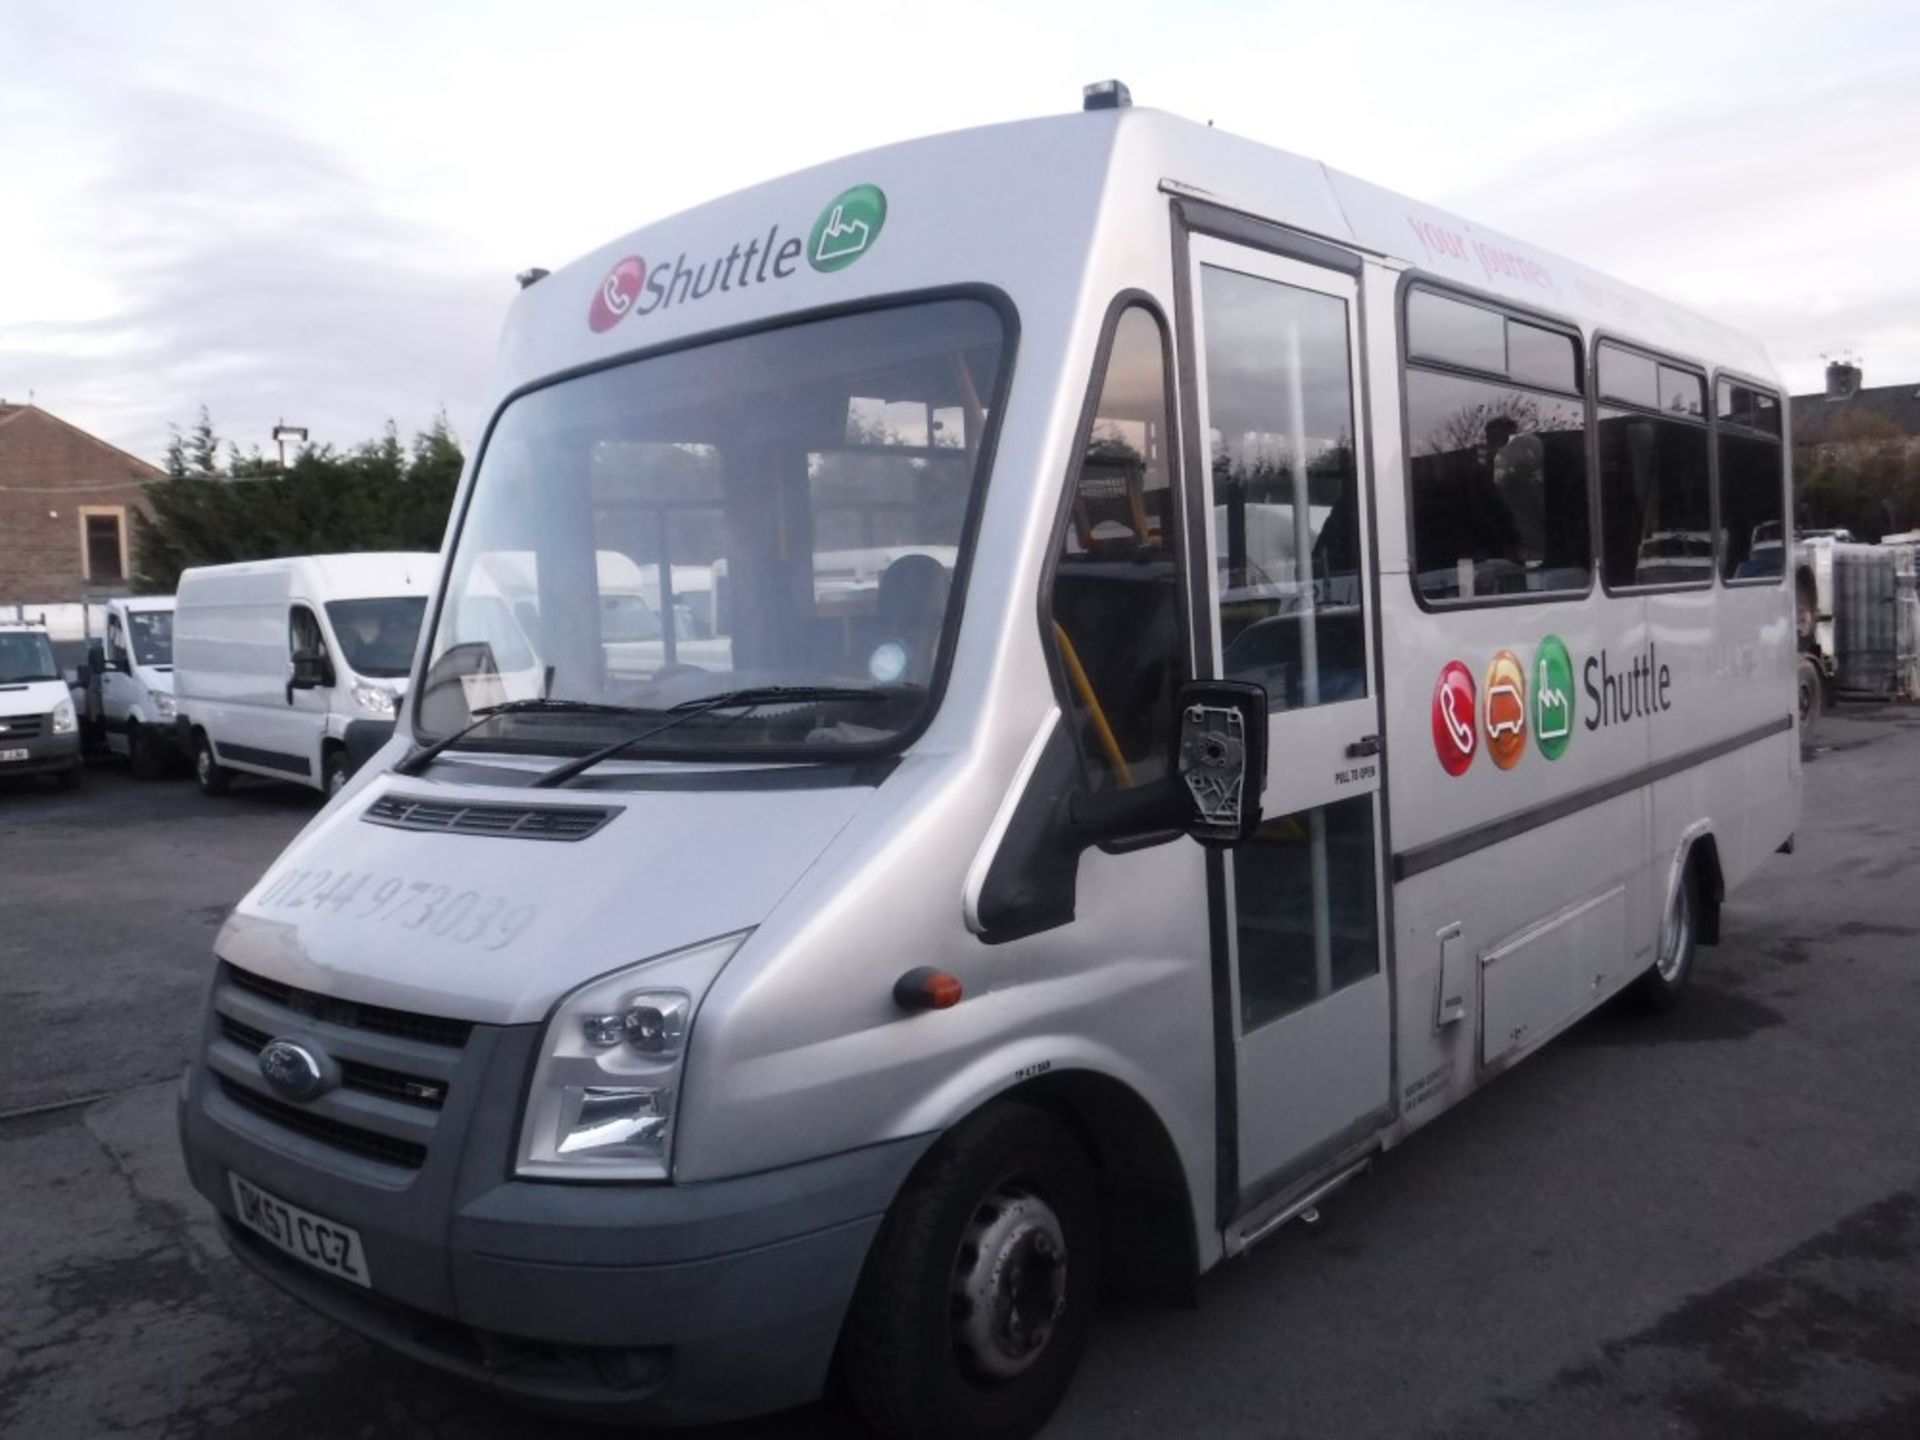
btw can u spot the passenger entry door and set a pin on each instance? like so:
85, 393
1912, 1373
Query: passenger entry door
1288, 596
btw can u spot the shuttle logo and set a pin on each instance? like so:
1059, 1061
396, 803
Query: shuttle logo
1454, 736
1553, 697
846, 229
1506, 713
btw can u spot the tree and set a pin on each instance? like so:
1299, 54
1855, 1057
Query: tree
210, 509
1856, 470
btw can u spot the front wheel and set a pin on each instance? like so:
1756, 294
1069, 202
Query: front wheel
143, 761
334, 773
1662, 986
1810, 699
974, 1307
212, 777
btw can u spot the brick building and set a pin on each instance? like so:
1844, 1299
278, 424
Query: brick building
66, 510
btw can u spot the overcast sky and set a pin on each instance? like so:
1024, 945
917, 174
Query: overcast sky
315, 212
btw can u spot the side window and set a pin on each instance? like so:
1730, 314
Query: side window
1497, 458
1656, 525
116, 642
303, 633
1115, 606
1752, 483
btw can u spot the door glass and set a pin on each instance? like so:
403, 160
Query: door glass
1286, 489
1115, 603
303, 633
1304, 893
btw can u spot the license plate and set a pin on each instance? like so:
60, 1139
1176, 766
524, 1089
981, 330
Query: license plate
324, 1244
6, 755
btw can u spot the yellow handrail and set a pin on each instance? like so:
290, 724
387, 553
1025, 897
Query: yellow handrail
1103, 732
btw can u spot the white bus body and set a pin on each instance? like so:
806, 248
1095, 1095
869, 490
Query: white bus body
881, 965
292, 668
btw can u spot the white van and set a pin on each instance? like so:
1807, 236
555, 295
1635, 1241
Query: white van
39, 734
1191, 713
127, 688
293, 668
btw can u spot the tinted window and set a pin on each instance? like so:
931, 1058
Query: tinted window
1457, 333
1305, 909
1628, 378
1542, 357
1286, 489
1752, 507
1655, 522
1499, 479
1115, 606
1682, 393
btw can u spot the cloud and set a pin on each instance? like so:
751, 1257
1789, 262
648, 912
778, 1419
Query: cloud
256, 272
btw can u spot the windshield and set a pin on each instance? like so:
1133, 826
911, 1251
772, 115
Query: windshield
377, 636
25, 655
786, 508
152, 632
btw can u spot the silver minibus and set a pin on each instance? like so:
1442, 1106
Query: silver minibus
1165, 668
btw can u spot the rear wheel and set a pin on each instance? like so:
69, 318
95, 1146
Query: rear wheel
212, 777
1662, 986
974, 1307
1810, 698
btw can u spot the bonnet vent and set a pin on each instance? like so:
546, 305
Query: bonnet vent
518, 822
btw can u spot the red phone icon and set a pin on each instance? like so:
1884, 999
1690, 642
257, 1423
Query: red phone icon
1454, 736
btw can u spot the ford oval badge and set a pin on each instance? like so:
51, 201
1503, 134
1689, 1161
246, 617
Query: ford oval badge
292, 1070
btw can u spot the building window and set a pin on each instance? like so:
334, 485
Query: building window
103, 542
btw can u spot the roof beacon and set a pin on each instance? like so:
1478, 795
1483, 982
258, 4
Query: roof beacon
1106, 95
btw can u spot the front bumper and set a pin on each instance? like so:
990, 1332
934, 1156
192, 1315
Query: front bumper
45, 753
635, 1303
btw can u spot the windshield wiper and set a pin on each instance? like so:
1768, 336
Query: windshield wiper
416, 762
745, 699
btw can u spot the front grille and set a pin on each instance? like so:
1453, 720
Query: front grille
354, 1139
518, 822
401, 1024
354, 1074
21, 727
396, 1068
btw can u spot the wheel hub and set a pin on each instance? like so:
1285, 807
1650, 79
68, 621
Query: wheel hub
1009, 1283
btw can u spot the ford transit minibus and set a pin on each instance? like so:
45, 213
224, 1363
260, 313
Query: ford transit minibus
1191, 683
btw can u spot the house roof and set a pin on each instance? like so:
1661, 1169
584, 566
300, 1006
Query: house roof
139, 470
1899, 404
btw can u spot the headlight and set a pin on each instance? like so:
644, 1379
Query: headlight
607, 1087
164, 707
376, 698
63, 721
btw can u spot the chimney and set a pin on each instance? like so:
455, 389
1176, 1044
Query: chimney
1843, 379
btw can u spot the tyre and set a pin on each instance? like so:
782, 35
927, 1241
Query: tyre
1662, 986
334, 772
1811, 698
212, 776
143, 761
973, 1309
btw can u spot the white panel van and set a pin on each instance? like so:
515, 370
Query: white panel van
38, 732
292, 668
127, 688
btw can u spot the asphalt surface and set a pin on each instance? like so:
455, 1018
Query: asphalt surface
1701, 1225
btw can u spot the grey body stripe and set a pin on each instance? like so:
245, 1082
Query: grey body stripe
1422, 858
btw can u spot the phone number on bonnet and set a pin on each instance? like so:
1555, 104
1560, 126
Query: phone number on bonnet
466, 917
